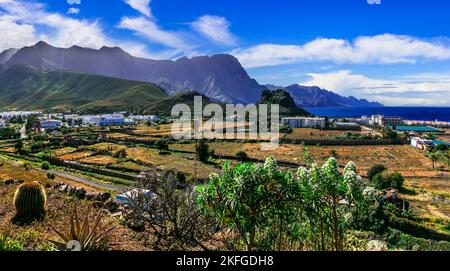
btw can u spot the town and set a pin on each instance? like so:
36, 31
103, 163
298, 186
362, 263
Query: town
106, 158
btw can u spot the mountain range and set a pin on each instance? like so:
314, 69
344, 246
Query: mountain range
316, 97
218, 77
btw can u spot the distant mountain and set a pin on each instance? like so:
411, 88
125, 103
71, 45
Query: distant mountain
316, 97
220, 77
25, 87
284, 100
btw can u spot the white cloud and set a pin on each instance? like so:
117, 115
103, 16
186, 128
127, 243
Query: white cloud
380, 49
73, 11
15, 34
23, 23
152, 32
74, 2
215, 28
143, 6
417, 89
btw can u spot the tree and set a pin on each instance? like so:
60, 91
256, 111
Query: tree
382, 180
169, 211
19, 145
308, 159
374, 170
45, 165
270, 209
397, 180
434, 156
242, 156
202, 151
162, 145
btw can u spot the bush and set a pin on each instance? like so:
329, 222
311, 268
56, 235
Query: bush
162, 145
397, 181
382, 180
45, 165
375, 170
8, 244
51, 176
399, 240
271, 209
202, 151
120, 154
385, 180
242, 156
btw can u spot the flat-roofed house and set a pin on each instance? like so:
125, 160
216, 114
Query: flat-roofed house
304, 122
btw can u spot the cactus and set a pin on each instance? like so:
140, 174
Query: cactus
30, 201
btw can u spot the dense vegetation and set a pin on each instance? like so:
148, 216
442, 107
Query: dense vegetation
24, 87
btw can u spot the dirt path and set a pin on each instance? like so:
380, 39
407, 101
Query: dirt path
103, 186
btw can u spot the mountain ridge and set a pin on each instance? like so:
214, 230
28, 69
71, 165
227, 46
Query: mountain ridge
220, 77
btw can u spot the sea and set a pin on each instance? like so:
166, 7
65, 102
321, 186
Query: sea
408, 113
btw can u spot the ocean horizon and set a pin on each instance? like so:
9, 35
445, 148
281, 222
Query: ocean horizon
406, 112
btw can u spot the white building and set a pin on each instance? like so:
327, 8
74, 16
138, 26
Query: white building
16, 114
304, 122
144, 118
346, 124
421, 143
50, 124
104, 120
384, 121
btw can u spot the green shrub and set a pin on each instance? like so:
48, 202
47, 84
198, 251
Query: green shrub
399, 240
45, 165
8, 244
397, 180
242, 156
51, 176
29, 200
375, 170
382, 180
385, 180
202, 151
162, 145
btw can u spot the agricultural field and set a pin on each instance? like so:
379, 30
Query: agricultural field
316, 134
430, 198
141, 158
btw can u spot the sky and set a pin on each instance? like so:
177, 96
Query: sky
393, 51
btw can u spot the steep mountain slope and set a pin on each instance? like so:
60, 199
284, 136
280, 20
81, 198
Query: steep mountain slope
220, 77
285, 100
317, 97
25, 87
164, 107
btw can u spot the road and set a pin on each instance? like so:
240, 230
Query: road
87, 182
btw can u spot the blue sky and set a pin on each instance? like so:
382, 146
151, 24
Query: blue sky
396, 52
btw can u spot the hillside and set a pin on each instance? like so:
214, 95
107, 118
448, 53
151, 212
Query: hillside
25, 87
285, 100
220, 77
164, 107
